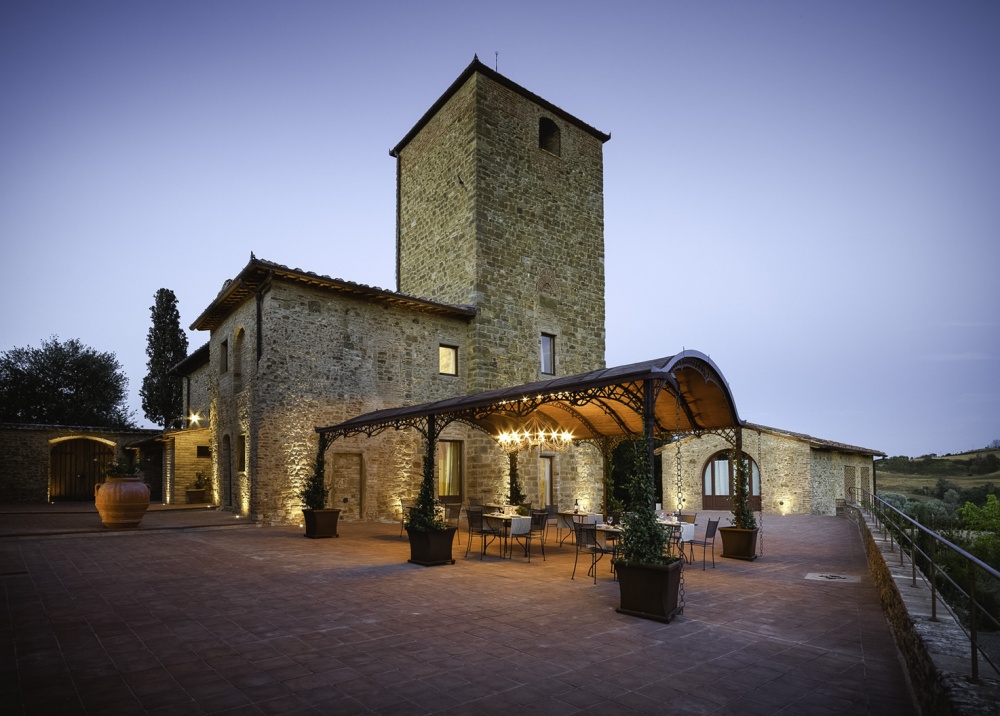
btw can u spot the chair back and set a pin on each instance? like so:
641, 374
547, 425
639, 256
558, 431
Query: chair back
475, 501
710, 530
586, 535
690, 519
475, 517
553, 511
539, 519
452, 512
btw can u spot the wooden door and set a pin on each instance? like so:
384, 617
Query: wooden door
75, 468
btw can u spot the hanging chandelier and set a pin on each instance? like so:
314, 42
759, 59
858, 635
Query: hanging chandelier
533, 434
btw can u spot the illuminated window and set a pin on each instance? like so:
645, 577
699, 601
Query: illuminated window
548, 354
447, 360
449, 460
719, 476
548, 136
545, 474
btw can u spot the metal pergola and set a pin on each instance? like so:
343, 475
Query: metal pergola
676, 395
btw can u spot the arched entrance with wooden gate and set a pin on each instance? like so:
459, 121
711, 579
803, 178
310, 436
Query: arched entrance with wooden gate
76, 466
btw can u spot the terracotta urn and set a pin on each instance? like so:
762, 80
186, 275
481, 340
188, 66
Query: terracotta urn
122, 501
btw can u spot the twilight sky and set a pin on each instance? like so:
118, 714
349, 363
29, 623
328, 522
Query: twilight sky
807, 192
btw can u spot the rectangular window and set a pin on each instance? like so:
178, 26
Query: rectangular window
447, 360
204, 451
449, 459
545, 473
224, 357
241, 453
548, 354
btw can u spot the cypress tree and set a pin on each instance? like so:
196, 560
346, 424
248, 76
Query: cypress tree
166, 346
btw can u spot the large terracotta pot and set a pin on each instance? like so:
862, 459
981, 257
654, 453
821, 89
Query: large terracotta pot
122, 501
321, 523
738, 543
431, 548
650, 591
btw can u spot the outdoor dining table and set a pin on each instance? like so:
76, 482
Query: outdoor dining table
508, 527
565, 521
687, 528
604, 532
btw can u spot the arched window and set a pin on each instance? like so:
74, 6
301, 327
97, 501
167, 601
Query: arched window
548, 136
717, 481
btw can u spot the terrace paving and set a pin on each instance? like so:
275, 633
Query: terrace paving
187, 616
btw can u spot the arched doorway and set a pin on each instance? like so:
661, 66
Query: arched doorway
76, 466
717, 482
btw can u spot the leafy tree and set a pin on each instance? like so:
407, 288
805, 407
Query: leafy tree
166, 346
986, 518
63, 383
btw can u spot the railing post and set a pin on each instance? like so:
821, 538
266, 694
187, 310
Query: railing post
973, 636
933, 569
913, 555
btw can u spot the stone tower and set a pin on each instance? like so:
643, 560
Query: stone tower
500, 205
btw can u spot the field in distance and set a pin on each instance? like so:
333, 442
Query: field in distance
916, 476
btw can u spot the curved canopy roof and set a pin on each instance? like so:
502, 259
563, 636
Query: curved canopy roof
685, 393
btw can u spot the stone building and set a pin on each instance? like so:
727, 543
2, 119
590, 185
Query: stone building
500, 281
792, 473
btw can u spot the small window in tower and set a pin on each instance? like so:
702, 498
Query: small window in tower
447, 360
548, 354
224, 357
548, 136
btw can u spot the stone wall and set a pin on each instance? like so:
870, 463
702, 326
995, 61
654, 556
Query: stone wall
24, 471
183, 463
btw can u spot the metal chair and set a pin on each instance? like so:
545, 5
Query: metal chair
539, 521
673, 544
453, 517
690, 519
709, 541
404, 511
474, 516
586, 542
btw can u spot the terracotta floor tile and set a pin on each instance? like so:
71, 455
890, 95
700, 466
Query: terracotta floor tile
261, 621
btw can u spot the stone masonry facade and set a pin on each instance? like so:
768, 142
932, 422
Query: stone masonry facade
799, 474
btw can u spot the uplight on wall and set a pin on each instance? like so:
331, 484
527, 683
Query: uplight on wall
194, 419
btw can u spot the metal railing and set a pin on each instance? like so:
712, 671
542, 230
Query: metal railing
951, 573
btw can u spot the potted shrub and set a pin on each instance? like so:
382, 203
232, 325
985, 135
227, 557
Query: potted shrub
430, 536
196, 493
648, 580
320, 521
123, 498
739, 541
